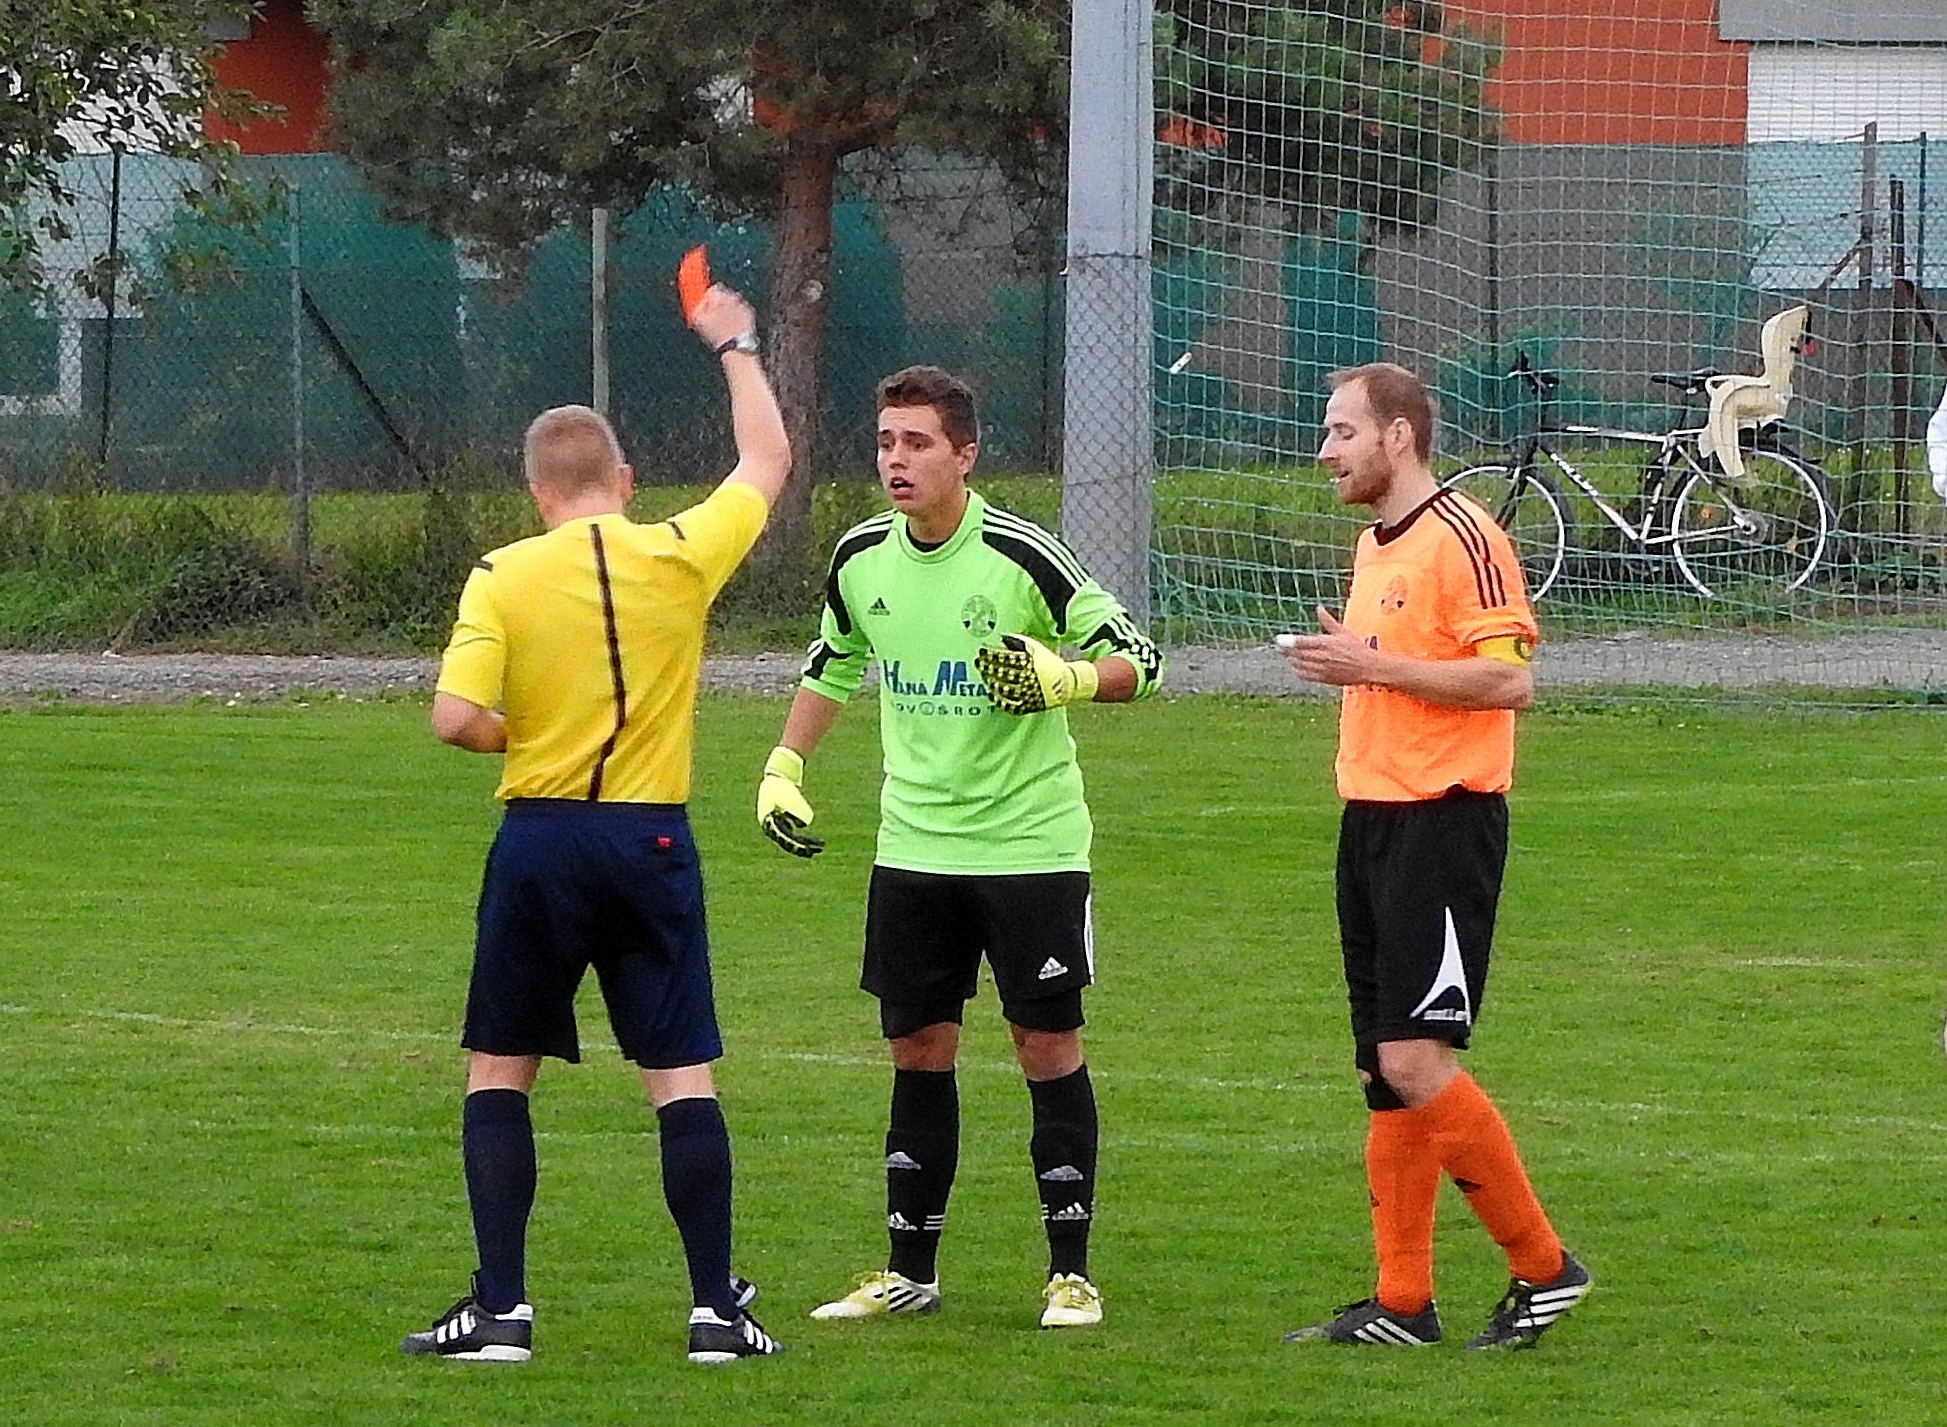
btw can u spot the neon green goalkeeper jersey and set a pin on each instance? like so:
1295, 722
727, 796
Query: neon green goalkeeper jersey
968, 789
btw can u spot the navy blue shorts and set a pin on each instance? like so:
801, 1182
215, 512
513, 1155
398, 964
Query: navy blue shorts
615, 886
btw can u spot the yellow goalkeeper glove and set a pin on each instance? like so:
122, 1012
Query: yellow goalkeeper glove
1024, 676
782, 811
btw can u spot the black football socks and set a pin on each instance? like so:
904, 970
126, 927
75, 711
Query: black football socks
922, 1155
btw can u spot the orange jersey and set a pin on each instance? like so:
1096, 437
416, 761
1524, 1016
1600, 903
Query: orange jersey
1435, 587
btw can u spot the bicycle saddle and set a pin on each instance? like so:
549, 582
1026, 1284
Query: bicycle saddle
1691, 384
1541, 381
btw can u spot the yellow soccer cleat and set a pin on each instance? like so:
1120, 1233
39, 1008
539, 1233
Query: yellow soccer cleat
880, 1293
1073, 1302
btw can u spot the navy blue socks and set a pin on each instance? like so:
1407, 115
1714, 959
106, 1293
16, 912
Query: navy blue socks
497, 1145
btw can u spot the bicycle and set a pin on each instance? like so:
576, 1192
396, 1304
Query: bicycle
1771, 528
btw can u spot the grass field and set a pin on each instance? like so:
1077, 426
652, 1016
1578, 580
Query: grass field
234, 950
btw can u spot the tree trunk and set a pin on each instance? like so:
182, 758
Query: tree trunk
800, 298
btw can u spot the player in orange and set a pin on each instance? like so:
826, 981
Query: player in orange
1433, 655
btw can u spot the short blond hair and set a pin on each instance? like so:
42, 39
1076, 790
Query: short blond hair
571, 449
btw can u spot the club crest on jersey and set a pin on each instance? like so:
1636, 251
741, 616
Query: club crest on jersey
979, 616
1393, 599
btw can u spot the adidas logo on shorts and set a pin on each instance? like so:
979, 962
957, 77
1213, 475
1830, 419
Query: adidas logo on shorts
1050, 969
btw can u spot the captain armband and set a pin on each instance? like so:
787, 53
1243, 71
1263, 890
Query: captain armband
1516, 649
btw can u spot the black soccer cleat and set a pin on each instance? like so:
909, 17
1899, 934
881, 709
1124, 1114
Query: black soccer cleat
1530, 1309
743, 1292
1366, 1323
468, 1333
714, 1341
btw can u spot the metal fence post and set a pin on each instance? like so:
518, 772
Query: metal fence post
1107, 447
300, 479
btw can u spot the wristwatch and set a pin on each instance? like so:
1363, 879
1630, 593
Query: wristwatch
742, 342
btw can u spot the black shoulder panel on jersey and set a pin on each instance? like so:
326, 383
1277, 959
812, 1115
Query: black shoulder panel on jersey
1055, 585
861, 539
821, 655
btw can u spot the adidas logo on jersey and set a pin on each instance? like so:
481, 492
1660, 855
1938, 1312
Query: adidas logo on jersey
1050, 969
878, 607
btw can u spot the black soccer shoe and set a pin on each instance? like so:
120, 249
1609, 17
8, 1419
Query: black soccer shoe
742, 1291
1365, 1323
714, 1341
1529, 1309
468, 1333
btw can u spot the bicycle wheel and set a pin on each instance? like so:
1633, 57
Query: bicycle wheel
1532, 512
1766, 535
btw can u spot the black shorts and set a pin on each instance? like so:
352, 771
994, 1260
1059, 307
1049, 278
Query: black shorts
615, 886
925, 933
1418, 884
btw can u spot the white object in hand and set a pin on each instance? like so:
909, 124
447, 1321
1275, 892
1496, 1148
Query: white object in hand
1285, 641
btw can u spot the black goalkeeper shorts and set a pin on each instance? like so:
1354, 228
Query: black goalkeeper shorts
1418, 884
925, 933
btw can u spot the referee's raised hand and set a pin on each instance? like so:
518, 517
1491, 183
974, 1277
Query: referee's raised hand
722, 317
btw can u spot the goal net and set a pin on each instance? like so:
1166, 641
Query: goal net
1604, 194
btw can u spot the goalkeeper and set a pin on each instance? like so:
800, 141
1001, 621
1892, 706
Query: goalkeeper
983, 836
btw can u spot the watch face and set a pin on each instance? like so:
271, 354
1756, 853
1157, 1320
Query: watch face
742, 342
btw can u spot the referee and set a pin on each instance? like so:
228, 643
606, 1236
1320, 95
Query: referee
1433, 656
576, 654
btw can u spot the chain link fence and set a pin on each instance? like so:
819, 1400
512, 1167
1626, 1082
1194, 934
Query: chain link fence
342, 352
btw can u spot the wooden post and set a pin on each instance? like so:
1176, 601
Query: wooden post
598, 309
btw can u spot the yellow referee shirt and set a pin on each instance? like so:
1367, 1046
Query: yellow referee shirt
590, 639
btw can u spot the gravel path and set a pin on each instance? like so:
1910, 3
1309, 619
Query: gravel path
1892, 659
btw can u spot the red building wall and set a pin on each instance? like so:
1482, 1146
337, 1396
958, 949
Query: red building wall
1633, 72
283, 62
1613, 72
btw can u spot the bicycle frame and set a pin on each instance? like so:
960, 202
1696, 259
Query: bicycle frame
1723, 533
1663, 472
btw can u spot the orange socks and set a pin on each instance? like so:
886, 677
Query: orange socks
1403, 1174
1467, 1137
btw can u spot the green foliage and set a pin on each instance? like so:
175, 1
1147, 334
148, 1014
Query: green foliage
1349, 106
135, 75
497, 123
237, 944
88, 568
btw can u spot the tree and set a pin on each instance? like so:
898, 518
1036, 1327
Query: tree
134, 74
1320, 107
494, 121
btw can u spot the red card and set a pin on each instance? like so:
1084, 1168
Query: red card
692, 279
